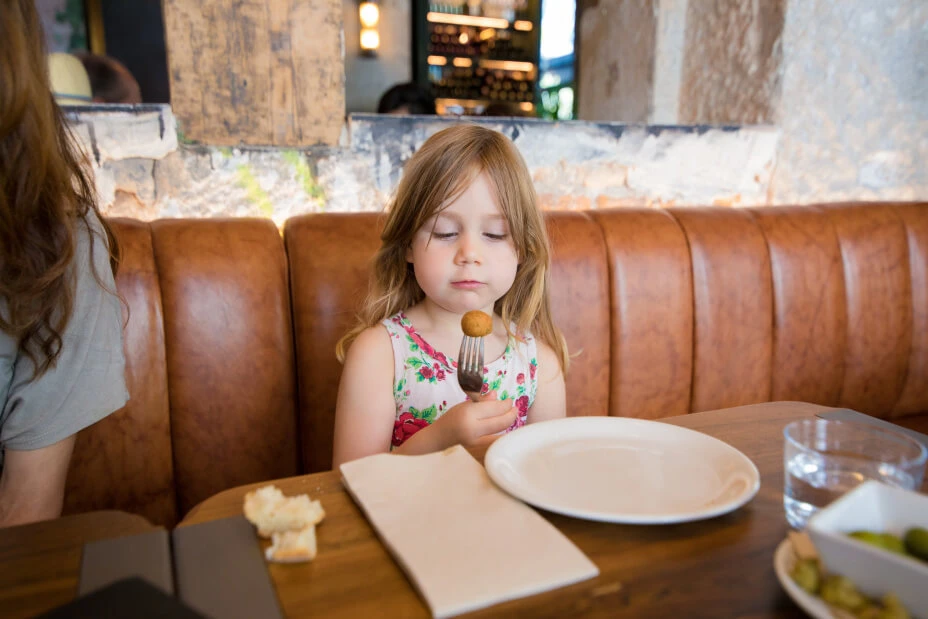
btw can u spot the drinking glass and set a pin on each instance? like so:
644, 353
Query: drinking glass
824, 458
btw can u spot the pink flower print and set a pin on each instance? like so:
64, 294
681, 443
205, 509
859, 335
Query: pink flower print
532, 368
521, 378
424, 346
417, 339
440, 375
425, 372
406, 426
522, 407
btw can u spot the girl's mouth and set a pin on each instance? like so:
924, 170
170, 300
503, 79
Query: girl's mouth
467, 284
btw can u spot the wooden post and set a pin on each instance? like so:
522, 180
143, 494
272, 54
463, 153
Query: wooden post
256, 72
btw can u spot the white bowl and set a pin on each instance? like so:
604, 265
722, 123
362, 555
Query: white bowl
874, 506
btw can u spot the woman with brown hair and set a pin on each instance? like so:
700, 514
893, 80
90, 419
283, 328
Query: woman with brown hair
61, 357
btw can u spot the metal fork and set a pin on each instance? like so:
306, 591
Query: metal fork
470, 366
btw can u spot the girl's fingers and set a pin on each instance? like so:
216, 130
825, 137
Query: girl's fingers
498, 423
489, 408
486, 397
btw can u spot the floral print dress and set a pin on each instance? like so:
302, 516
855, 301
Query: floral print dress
425, 382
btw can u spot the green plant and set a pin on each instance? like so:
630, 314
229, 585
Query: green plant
304, 175
245, 179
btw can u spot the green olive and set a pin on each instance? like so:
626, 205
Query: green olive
806, 574
841, 592
893, 608
886, 541
916, 542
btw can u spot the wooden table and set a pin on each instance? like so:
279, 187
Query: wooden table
717, 567
40, 563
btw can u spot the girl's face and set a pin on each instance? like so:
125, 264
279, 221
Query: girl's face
464, 257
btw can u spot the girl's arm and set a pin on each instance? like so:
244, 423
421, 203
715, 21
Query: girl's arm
365, 410
551, 397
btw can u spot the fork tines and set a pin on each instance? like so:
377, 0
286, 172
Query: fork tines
470, 364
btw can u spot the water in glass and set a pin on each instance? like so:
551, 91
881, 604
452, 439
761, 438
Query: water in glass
813, 480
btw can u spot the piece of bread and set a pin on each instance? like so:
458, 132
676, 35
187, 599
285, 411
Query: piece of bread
293, 546
268, 509
476, 324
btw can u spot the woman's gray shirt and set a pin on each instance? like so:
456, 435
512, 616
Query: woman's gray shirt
87, 383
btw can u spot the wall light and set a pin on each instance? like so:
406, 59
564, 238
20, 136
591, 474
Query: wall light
369, 15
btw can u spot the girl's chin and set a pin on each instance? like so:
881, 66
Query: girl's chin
462, 308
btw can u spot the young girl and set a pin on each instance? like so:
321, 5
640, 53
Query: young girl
464, 232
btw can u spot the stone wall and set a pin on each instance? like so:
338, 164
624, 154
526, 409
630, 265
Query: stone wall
854, 107
147, 174
845, 83
615, 59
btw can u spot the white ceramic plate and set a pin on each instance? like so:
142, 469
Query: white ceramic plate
783, 561
617, 469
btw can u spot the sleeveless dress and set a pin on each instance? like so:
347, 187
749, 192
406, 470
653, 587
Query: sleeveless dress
425, 382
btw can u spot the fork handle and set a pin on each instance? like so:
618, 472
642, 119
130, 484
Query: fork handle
473, 395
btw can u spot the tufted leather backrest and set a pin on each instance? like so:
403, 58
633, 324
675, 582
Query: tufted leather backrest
229, 347
329, 265
578, 288
126, 461
667, 311
719, 307
651, 301
210, 371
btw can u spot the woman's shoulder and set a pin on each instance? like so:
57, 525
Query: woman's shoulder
92, 250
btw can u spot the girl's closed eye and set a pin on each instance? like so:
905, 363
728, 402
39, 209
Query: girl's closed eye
443, 235
496, 236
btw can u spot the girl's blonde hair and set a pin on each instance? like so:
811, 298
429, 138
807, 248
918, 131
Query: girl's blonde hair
441, 170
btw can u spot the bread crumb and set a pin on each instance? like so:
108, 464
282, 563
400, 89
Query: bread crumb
293, 546
290, 522
268, 509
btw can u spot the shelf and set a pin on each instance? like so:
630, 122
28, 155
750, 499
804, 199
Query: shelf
467, 20
441, 60
522, 25
526, 106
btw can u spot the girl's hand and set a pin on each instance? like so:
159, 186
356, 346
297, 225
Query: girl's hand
475, 423
468, 423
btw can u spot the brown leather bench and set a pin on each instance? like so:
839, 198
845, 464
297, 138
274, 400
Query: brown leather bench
231, 331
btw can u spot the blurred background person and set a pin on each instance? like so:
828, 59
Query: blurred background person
69, 81
110, 80
407, 98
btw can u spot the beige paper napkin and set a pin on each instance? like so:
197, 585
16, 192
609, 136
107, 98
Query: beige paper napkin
464, 543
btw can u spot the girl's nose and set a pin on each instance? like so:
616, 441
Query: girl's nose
468, 249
